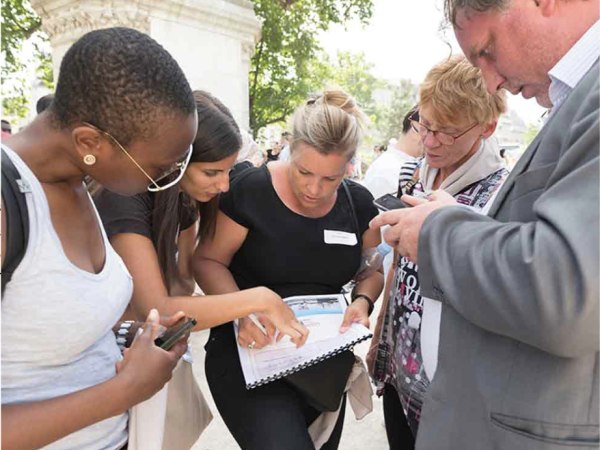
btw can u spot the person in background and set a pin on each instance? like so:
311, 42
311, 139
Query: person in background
273, 153
248, 156
382, 175
519, 287
379, 149
43, 103
6, 128
270, 231
65, 384
286, 137
455, 122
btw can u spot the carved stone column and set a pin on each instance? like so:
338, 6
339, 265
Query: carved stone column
212, 40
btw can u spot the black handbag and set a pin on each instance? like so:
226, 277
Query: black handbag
323, 384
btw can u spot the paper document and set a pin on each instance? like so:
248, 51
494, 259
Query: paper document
322, 315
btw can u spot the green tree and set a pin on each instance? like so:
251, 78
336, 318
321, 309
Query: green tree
403, 96
352, 72
285, 66
20, 24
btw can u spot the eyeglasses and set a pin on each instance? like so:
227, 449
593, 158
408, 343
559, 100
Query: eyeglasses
165, 180
443, 138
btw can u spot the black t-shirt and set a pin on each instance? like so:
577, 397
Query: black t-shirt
287, 252
271, 156
122, 214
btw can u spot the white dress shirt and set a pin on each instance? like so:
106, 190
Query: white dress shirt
571, 68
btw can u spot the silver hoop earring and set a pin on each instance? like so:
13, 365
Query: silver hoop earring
89, 160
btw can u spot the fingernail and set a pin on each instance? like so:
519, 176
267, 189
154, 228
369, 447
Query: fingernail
153, 316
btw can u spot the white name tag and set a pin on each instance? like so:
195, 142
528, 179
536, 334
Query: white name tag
340, 237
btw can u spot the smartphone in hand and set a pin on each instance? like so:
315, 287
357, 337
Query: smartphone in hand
174, 333
387, 202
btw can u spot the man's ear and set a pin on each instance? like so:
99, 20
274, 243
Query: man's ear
489, 129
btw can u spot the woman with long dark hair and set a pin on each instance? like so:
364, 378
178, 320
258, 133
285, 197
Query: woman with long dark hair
156, 233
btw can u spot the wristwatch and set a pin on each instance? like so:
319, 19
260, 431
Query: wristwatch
125, 333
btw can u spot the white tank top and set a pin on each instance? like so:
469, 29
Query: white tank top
57, 322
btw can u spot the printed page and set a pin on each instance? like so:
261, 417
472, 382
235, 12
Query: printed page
322, 315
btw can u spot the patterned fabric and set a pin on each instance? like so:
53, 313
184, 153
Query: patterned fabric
399, 361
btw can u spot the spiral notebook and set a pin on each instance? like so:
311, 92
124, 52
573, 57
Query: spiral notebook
322, 315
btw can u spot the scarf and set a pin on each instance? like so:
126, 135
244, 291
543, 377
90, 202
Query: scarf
483, 163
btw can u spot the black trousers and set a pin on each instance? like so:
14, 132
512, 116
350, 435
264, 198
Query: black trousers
398, 432
270, 417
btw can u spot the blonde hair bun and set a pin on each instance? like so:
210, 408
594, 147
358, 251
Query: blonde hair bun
329, 122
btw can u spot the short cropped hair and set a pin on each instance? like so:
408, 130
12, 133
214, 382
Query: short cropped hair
455, 89
121, 81
331, 123
451, 7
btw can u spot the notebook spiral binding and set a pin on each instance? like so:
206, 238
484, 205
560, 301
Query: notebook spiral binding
307, 363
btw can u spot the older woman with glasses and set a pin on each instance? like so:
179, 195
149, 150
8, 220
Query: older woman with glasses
455, 120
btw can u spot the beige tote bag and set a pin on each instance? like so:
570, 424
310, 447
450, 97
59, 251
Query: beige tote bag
188, 413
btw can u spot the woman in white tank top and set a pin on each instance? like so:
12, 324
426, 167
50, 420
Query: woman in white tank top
123, 114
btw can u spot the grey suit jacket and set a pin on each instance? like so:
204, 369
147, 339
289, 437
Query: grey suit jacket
519, 338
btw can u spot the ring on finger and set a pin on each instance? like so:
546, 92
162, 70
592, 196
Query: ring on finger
251, 345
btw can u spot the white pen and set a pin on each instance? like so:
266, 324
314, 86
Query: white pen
255, 321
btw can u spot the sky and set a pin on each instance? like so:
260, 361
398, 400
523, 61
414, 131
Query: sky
403, 40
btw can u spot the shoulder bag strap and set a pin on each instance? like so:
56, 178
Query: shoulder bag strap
17, 219
353, 211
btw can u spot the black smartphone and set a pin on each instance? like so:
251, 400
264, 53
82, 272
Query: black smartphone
174, 333
387, 202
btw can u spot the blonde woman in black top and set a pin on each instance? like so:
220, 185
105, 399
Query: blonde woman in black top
275, 229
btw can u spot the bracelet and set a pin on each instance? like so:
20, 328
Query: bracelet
368, 299
123, 335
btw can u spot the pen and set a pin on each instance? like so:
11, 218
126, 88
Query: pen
255, 321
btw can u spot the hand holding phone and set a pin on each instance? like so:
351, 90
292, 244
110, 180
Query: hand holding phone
174, 333
388, 202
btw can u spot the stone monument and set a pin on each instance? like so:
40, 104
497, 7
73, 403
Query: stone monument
212, 40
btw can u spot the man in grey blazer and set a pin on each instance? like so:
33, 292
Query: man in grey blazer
519, 339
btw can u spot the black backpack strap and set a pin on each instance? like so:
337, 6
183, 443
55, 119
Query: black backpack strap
17, 218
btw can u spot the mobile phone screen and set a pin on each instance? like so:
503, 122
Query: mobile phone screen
387, 202
176, 332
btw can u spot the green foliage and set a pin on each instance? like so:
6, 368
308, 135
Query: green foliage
20, 24
352, 72
14, 100
285, 67
390, 115
385, 103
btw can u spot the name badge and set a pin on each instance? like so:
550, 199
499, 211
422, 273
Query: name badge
340, 237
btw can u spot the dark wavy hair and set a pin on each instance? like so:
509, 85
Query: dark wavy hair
218, 137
